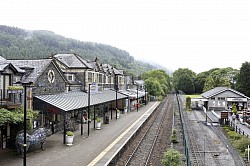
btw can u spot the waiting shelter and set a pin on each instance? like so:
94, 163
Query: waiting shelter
69, 107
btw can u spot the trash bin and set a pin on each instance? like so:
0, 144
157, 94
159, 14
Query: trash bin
106, 119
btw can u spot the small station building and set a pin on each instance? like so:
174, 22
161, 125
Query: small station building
222, 98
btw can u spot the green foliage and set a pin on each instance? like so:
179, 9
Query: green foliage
16, 116
157, 82
243, 79
241, 144
228, 128
233, 135
183, 79
174, 137
188, 102
220, 77
17, 43
98, 120
69, 133
15, 87
172, 158
234, 109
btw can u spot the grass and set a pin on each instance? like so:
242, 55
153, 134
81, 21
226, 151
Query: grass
193, 96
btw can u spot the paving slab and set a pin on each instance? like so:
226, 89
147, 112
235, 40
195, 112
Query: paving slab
84, 150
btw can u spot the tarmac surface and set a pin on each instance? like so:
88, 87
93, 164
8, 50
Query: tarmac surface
84, 149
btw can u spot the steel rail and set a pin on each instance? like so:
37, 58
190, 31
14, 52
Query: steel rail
144, 135
216, 160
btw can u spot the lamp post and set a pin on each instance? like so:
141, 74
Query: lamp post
145, 95
88, 108
137, 104
24, 121
116, 102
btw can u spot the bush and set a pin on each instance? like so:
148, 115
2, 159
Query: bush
172, 158
228, 128
174, 137
241, 144
234, 136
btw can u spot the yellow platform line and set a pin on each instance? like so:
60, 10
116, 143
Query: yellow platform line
93, 162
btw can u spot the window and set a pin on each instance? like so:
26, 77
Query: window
89, 77
100, 78
221, 98
70, 77
5, 82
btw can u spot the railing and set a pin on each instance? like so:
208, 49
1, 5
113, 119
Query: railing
238, 129
13, 101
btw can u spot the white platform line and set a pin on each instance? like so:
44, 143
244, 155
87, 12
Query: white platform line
93, 162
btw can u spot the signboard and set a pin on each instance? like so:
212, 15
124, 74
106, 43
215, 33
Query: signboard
93, 88
224, 115
237, 99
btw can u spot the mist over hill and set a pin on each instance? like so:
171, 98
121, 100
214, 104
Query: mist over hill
16, 43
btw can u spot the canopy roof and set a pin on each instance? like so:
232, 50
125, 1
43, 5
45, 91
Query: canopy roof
78, 99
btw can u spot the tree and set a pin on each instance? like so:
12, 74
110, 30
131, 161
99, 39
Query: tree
157, 82
154, 87
243, 79
200, 81
172, 158
217, 78
234, 109
183, 79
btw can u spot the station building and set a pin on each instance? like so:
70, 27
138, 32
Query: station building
58, 88
222, 98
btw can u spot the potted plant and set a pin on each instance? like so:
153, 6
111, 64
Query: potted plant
118, 113
125, 110
69, 138
15, 89
98, 123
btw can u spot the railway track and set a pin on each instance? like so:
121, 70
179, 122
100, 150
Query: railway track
152, 140
197, 157
210, 149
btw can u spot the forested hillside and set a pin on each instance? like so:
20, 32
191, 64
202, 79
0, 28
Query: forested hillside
16, 43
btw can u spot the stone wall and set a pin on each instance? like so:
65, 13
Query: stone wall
42, 86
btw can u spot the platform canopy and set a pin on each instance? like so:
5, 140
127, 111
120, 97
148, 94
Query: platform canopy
77, 99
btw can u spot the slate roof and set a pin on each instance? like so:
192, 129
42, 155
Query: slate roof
4, 63
111, 69
72, 61
132, 93
72, 100
219, 90
33, 68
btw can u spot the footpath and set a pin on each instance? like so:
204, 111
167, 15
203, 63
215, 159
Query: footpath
84, 148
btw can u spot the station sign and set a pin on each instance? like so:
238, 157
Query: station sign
224, 115
237, 99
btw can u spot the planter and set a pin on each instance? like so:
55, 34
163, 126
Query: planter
69, 140
98, 125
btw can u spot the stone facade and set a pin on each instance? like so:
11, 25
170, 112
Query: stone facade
44, 86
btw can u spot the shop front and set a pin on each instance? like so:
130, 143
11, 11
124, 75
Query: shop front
241, 103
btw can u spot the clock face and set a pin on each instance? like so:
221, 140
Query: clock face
51, 76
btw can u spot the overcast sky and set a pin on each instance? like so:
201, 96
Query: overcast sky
194, 34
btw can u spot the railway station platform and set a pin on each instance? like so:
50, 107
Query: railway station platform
96, 149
